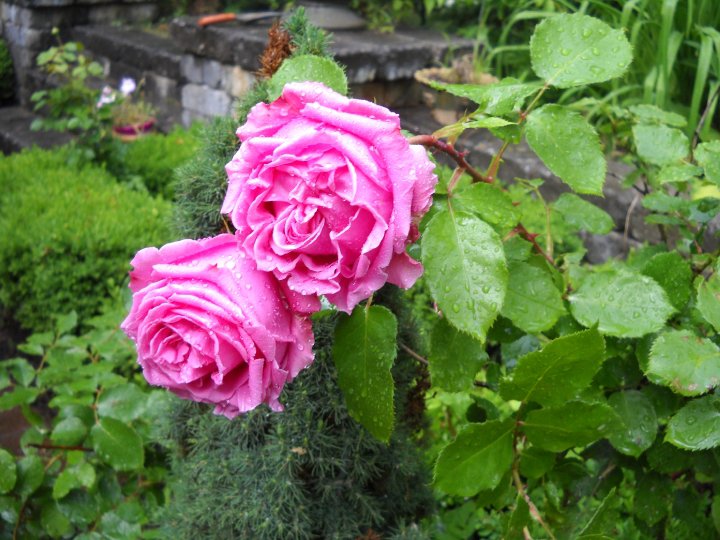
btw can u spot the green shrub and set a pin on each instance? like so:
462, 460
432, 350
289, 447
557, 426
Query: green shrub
155, 157
67, 235
7, 74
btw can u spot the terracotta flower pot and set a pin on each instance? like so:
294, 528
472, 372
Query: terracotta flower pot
130, 132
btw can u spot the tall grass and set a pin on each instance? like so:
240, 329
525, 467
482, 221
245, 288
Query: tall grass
676, 46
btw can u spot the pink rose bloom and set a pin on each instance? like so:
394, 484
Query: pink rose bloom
212, 328
326, 193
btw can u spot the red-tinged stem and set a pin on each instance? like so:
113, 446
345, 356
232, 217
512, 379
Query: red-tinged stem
532, 238
459, 157
60, 447
495, 164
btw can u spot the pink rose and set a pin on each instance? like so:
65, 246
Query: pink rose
326, 193
212, 328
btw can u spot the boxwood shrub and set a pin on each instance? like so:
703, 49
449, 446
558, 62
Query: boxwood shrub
67, 235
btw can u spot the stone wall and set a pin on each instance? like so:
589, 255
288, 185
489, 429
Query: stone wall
26, 25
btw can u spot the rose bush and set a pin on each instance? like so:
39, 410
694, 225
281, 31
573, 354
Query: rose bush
212, 328
326, 193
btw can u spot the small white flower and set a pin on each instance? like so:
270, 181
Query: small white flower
106, 97
127, 86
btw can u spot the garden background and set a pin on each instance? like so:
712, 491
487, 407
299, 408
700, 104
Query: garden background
574, 398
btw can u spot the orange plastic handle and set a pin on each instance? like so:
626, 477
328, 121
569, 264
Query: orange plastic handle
214, 19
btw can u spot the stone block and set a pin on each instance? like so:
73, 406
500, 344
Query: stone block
159, 88
37, 18
188, 117
191, 69
236, 81
205, 100
111, 13
211, 73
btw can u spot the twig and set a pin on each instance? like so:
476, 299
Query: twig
534, 512
703, 117
412, 353
628, 215
59, 447
450, 150
495, 163
530, 237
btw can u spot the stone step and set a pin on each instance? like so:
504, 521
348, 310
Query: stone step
15, 132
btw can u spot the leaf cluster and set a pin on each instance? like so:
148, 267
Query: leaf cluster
90, 466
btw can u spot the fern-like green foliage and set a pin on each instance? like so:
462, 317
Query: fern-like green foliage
67, 235
201, 183
306, 38
308, 472
311, 471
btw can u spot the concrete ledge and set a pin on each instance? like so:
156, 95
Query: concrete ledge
368, 56
141, 50
15, 133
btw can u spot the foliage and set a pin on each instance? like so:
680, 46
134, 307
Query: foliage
72, 105
67, 234
7, 74
90, 465
588, 405
152, 159
308, 472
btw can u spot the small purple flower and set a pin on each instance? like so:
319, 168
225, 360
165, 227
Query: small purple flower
106, 97
127, 86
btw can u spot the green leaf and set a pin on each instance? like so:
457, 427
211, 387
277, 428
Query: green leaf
697, 425
20, 369
126, 402
600, 526
574, 50
30, 475
650, 114
20, 395
519, 518
678, 172
53, 521
70, 478
463, 246
364, 352
660, 145
477, 459
492, 204
622, 304
575, 424
308, 67
583, 215
652, 498
69, 431
454, 358
8, 472
533, 303
673, 274
638, 422
569, 146
708, 300
688, 364
65, 323
486, 122
118, 444
707, 155
499, 99
535, 462
555, 374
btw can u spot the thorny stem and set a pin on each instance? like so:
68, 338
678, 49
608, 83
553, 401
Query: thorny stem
534, 512
530, 237
450, 150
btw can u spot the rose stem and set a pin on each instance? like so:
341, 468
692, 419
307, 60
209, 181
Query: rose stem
449, 149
